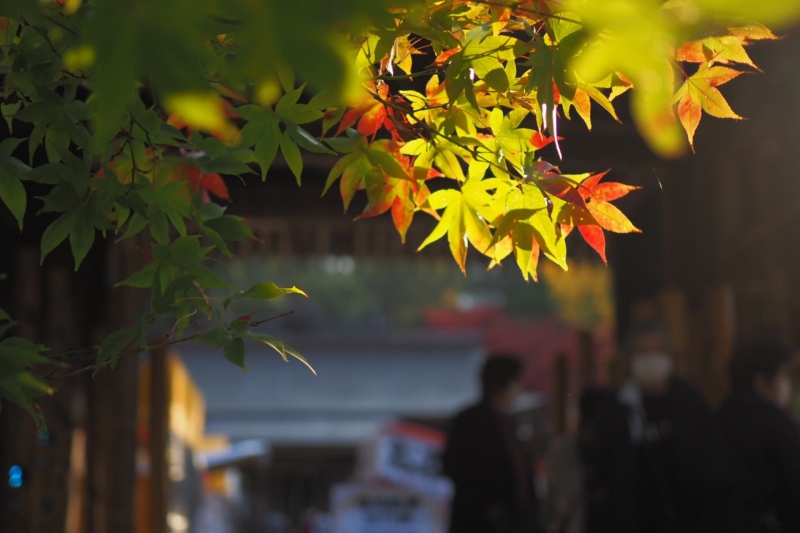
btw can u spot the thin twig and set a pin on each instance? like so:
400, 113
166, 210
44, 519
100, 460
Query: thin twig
60, 24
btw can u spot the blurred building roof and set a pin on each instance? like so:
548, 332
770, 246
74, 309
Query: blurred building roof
361, 384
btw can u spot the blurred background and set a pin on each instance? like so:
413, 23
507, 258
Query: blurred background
180, 440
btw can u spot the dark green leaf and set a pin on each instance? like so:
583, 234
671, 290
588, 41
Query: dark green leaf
306, 140
234, 352
289, 99
8, 146
113, 345
292, 155
136, 224
56, 142
12, 192
231, 228
143, 279
300, 114
62, 198
57, 232
210, 211
159, 227
224, 165
17, 354
81, 237
216, 337
185, 250
267, 147
217, 241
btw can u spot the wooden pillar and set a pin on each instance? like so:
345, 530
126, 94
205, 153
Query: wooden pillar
17, 430
111, 439
158, 441
63, 411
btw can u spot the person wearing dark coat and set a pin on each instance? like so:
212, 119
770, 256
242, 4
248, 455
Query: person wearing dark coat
636, 454
763, 444
491, 472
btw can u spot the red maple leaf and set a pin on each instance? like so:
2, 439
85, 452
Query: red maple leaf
205, 183
539, 141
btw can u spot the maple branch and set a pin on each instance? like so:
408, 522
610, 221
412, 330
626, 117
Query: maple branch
432, 70
472, 150
92, 349
60, 24
227, 20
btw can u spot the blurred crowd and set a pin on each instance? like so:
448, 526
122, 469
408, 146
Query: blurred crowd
648, 457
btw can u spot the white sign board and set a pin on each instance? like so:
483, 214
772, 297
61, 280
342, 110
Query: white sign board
369, 508
409, 456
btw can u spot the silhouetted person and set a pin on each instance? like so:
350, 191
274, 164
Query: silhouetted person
636, 457
492, 473
763, 444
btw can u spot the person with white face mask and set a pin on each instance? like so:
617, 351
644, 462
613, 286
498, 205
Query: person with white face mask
636, 453
764, 443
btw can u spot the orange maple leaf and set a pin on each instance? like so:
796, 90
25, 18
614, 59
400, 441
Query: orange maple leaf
602, 215
699, 93
368, 112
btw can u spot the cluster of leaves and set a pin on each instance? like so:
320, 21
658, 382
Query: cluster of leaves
140, 110
18, 382
492, 69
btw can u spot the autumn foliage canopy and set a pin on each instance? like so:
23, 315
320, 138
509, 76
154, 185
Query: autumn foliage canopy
136, 114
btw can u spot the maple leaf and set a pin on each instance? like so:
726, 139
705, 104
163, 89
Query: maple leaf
205, 183
400, 55
548, 178
461, 223
401, 193
526, 225
599, 214
583, 105
753, 32
516, 234
699, 93
594, 237
368, 112
725, 49
539, 140
445, 56
584, 95
397, 195
597, 196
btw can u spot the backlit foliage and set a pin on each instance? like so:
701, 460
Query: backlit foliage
132, 114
